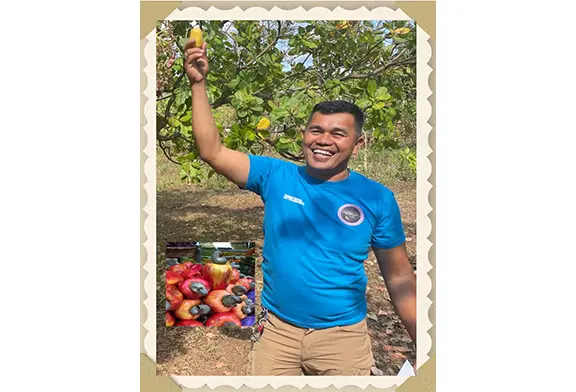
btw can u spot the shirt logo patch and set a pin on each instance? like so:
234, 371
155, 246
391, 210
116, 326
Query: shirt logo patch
351, 214
293, 199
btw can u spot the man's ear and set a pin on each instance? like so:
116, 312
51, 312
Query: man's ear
360, 143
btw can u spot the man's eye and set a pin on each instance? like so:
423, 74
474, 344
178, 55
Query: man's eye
315, 131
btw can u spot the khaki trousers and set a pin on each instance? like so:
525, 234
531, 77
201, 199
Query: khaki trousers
286, 350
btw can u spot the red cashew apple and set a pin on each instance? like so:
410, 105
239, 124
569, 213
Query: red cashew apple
178, 268
188, 264
240, 291
221, 301
191, 309
247, 282
223, 319
173, 278
194, 288
173, 297
197, 268
191, 273
189, 323
217, 272
243, 309
169, 319
234, 276
236, 289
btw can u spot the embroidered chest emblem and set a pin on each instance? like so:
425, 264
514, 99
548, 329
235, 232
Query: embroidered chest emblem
351, 214
293, 199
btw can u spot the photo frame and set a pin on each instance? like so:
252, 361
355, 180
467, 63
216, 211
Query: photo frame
423, 13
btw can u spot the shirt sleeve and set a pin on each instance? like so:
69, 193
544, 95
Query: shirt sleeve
260, 170
389, 232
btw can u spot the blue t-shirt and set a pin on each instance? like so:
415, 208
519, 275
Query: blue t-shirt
317, 235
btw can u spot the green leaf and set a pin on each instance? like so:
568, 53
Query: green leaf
293, 101
242, 113
378, 106
310, 44
381, 93
250, 135
173, 121
295, 147
363, 103
371, 88
280, 113
284, 140
302, 114
233, 83
263, 134
239, 95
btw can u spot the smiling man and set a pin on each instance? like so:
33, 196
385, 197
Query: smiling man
320, 220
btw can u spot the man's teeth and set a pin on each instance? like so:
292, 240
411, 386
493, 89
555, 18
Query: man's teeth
322, 152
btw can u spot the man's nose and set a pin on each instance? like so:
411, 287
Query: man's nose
325, 138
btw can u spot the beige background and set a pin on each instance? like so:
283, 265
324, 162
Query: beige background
424, 13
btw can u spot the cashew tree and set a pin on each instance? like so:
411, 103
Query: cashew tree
265, 77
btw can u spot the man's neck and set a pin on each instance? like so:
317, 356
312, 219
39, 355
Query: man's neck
331, 176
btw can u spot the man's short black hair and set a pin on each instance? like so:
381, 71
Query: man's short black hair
330, 107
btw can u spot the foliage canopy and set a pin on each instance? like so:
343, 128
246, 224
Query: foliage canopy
265, 77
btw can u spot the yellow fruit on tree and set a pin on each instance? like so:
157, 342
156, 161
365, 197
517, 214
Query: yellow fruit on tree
343, 25
196, 35
263, 123
401, 30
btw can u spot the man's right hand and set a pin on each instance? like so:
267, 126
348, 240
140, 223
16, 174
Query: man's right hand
196, 62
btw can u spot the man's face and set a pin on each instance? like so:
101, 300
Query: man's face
329, 141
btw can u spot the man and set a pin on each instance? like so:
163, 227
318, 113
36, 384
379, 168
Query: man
319, 223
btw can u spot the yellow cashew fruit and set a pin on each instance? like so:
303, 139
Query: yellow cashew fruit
343, 25
196, 35
263, 123
401, 30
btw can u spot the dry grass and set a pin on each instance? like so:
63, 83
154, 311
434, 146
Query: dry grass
192, 213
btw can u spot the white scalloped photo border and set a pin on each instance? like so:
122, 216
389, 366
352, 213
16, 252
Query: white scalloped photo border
423, 207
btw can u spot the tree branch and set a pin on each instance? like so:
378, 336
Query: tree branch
245, 66
287, 155
291, 156
173, 97
369, 51
166, 154
411, 60
221, 101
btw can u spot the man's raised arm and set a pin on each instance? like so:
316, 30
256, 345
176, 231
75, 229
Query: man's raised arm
234, 165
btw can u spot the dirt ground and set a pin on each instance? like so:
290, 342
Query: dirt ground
186, 213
